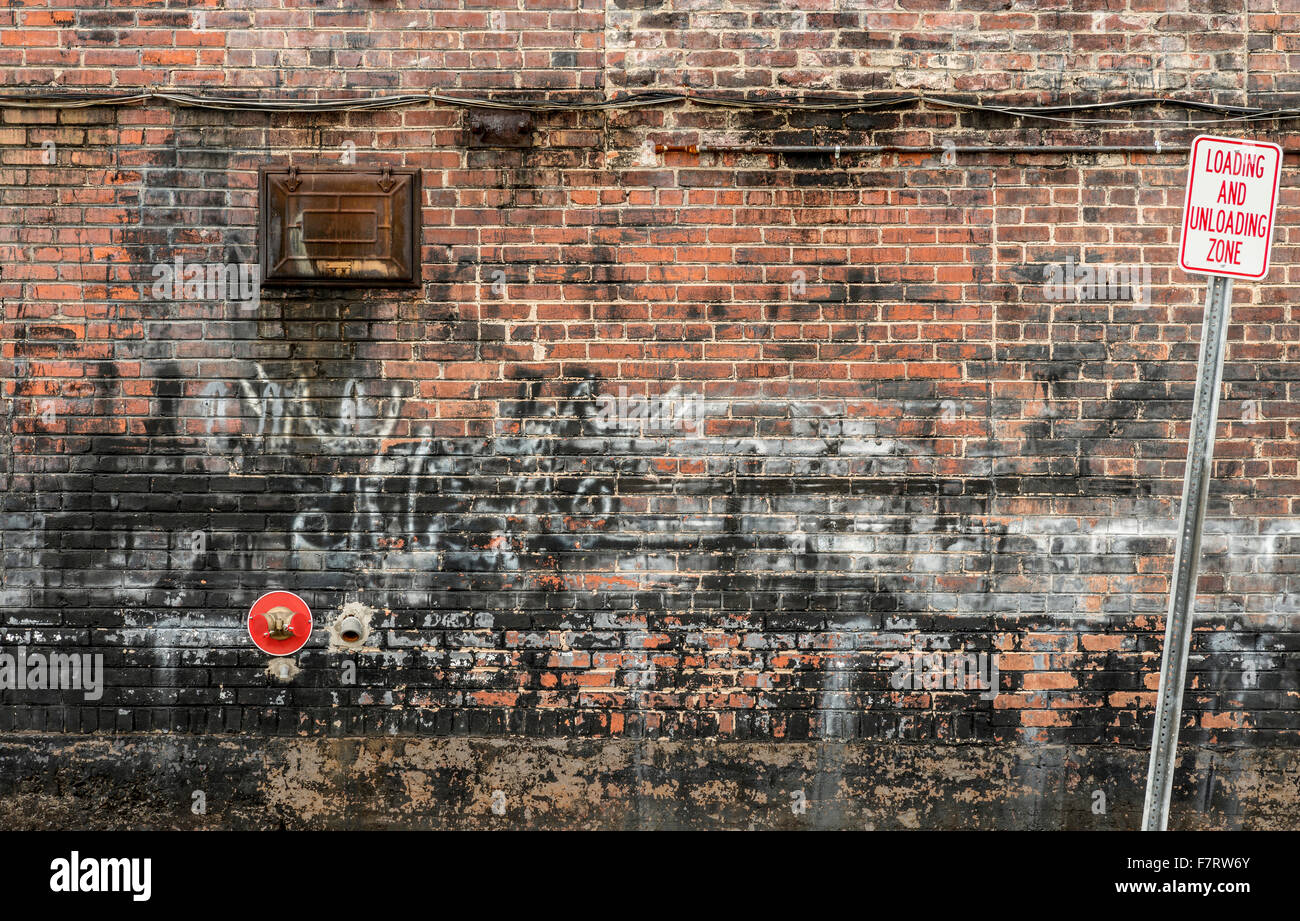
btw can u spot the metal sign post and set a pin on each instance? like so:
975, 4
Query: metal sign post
1228, 215
1187, 558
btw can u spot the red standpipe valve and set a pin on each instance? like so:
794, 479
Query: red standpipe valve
279, 623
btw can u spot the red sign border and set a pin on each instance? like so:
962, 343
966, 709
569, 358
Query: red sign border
1272, 209
311, 621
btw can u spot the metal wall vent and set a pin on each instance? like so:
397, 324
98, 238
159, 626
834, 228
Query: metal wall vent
340, 226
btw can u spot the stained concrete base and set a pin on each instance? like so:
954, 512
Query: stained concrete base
149, 781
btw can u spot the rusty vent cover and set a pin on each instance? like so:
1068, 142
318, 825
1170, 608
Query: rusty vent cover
340, 226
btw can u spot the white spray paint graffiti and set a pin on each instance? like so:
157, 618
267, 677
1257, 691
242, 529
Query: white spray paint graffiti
798, 546
287, 410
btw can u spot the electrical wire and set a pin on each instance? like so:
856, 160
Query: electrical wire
1059, 113
238, 103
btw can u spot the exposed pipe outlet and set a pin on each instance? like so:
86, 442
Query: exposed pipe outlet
282, 668
352, 627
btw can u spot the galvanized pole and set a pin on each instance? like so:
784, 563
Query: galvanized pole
1182, 595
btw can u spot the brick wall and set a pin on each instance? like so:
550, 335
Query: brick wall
879, 429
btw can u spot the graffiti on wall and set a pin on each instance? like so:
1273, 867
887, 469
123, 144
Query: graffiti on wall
835, 525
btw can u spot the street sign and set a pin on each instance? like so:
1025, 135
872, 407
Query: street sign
279, 623
1227, 232
1228, 209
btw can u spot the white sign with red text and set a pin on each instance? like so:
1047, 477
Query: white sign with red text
1228, 211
